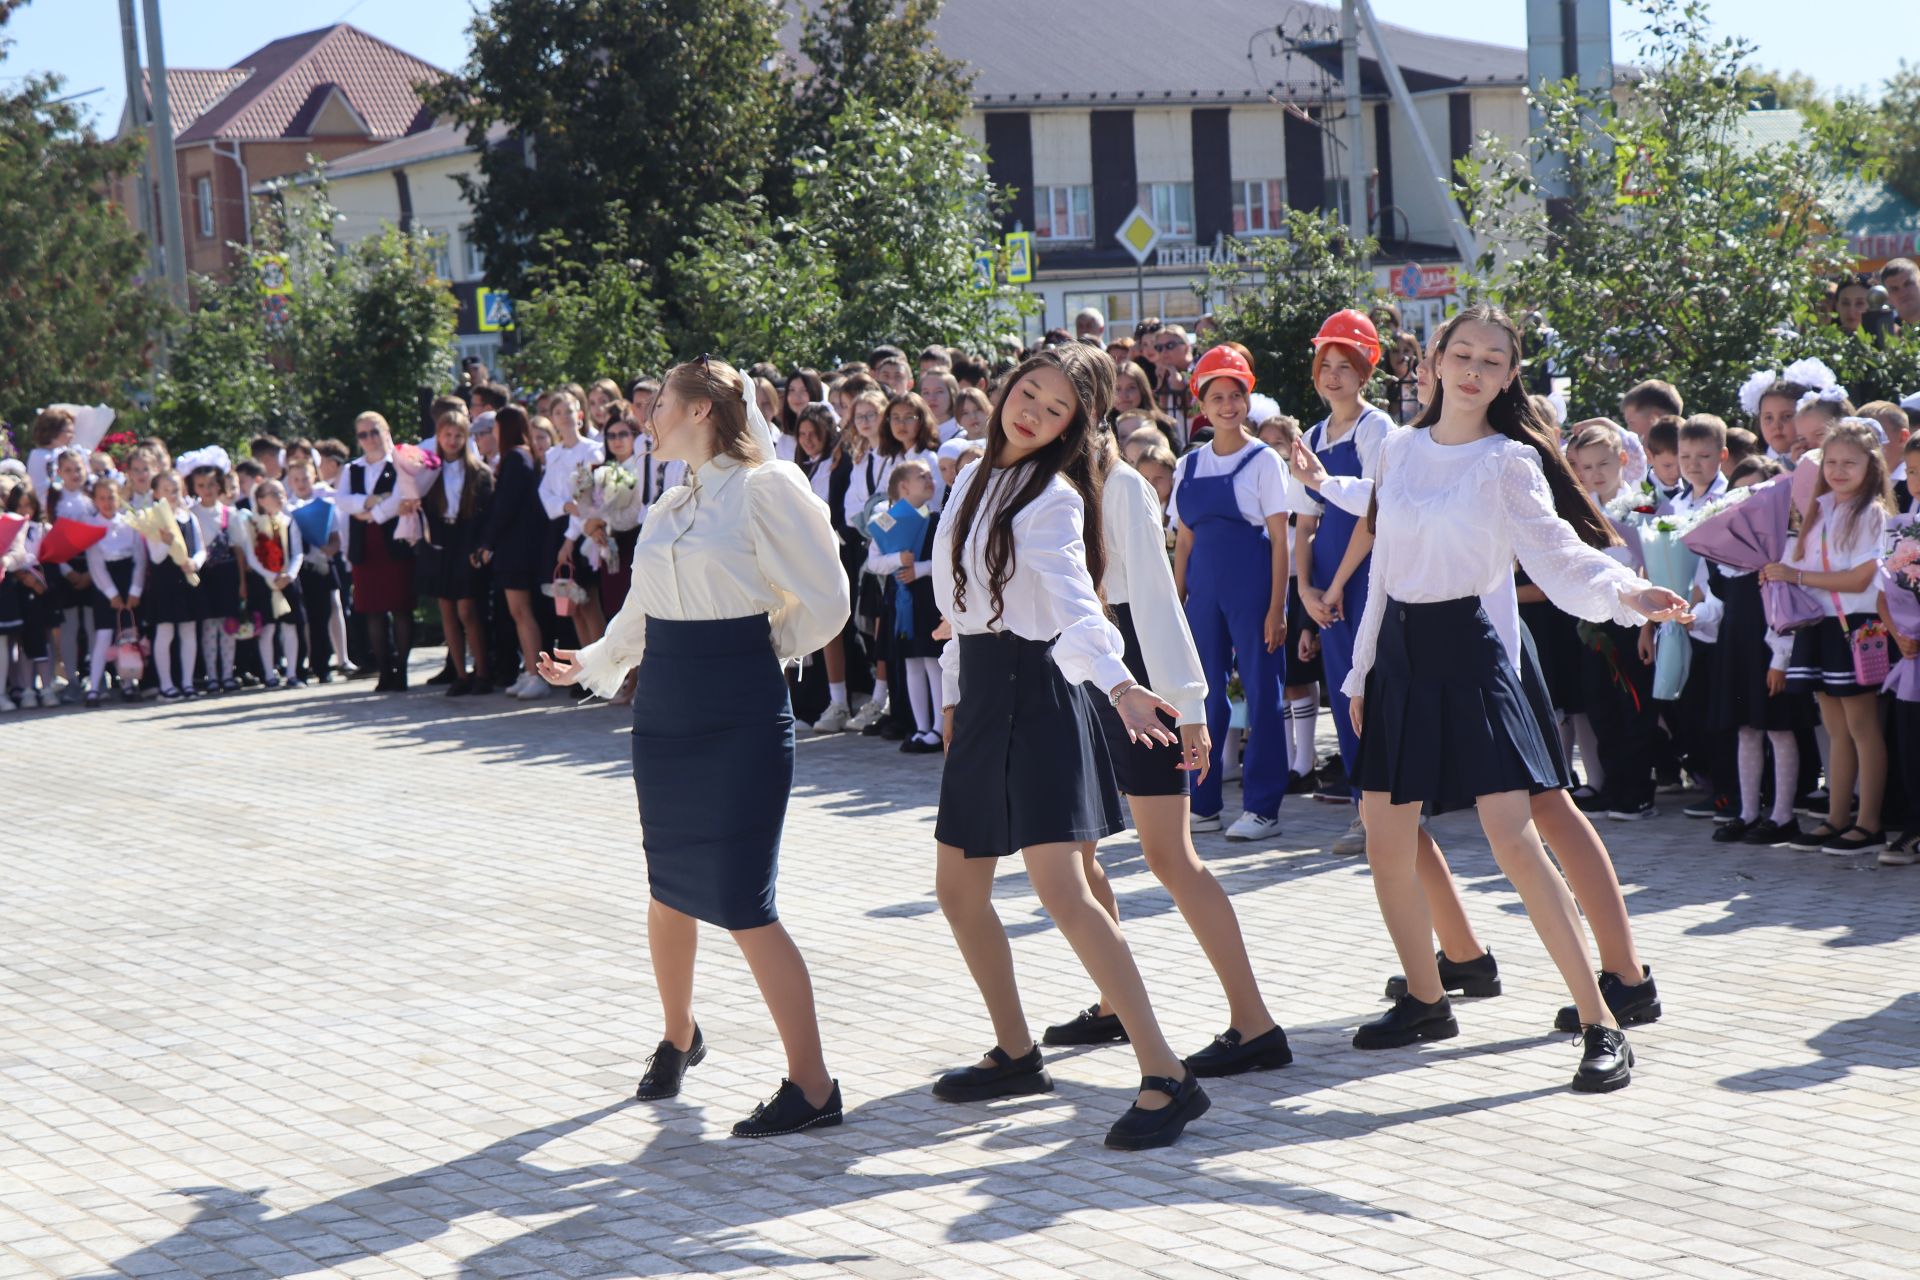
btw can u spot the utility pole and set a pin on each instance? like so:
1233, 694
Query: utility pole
163, 156
1356, 135
1464, 242
137, 118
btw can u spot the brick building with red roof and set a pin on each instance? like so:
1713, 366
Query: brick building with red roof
326, 93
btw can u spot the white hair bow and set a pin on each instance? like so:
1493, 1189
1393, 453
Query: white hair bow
757, 421
1754, 389
1832, 394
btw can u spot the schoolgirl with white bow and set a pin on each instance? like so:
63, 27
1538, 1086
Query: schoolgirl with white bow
220, 573
117, 565
172, 601
274, 549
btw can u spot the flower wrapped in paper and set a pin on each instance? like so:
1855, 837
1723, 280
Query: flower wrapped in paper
268, 534
69, 538
610, 493
900, 527
1747, 531
413, 469
1900, 584
315, 522
156, 524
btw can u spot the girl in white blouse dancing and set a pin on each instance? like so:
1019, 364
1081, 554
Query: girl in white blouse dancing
1028, 770
736, 572
1444, 722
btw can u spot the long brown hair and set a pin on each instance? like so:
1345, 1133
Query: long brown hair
1875, 490
719, 384
1069, 455
1514, 415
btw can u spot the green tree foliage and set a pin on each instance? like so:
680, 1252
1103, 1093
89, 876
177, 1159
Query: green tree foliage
880, 52
78, 323
667, 105
591, 318
881, 248
1869, 368
1897, 140
1306, 274
1685, 246
368, 326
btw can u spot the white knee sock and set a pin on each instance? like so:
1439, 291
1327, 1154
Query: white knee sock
879, 693
210, 632
70, 644
1751, 754
920, 677
102, 641
290, 648
1589, 742
837, 692
337, 631
264, 643
1786, 773
163, 656
1303, 714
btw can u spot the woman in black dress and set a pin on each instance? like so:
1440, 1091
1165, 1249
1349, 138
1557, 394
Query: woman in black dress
456, 508
382, 563
513, 540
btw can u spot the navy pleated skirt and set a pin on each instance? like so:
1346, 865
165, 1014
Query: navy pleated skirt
1447, 719
1139, 768
1029, 763
713, 767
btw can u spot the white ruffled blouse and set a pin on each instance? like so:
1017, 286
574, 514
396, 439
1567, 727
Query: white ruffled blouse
1453, 518
1049, 592
732, 542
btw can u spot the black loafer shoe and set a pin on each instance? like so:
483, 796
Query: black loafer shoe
459, 688
1089, 1026
1768, 834
1478, 977
1734, 832
1140, 1130
445, 676
788, 1111
1407, 1022
1008, 1077
666, 1068
1229, 1055
1606, 1061
1631, 1006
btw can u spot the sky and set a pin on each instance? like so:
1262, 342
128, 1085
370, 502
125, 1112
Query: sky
1841, 43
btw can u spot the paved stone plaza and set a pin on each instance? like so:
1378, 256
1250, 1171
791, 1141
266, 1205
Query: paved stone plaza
331, 983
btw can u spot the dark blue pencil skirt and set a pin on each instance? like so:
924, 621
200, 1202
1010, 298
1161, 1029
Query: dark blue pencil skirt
1447, 719
712, 767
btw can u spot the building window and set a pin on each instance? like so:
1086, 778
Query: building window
476, 261
1170, 205
203, 204
1063, 213
1260, 208
439, 254
1173, 306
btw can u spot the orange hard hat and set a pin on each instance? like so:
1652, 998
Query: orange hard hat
1350, 328
1221, 362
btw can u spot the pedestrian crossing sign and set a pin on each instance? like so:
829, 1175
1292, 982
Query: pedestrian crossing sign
495, 309
1019, 257
983, 271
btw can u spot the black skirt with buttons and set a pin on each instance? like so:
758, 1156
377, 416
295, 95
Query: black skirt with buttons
1447, 719
1029, 763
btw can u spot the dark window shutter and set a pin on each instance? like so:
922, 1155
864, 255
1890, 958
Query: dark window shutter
1306, 166
1010, 162
1115, 180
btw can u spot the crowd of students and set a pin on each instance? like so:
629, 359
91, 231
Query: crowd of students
518, 518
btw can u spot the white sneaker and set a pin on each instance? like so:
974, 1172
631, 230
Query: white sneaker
1251, 826
519, 686
48, 698
8, 704
1354, 841
871, 712
834, 719
536, 688
1198, 823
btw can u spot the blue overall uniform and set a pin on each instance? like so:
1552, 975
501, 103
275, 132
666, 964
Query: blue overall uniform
1229, 588
1341, 458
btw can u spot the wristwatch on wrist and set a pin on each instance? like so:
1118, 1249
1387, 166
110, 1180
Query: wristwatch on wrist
1120, 691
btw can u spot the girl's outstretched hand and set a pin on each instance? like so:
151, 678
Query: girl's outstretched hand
1657, 604
1139, 709
559, 667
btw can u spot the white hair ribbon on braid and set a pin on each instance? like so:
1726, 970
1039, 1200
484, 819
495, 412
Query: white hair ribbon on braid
211, 456
1835, 394
1869, 424
757, 421
1754, 390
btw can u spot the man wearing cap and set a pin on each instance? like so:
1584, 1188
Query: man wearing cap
1332, 541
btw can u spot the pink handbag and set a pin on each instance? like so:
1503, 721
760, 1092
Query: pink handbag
563, 594
1869, 644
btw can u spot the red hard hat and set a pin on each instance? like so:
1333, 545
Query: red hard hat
1350, 328
1221, 362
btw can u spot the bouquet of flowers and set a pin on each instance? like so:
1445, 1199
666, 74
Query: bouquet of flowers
155, 522
1900, 584
119, 446
414, 468
269, 534
1748, 530
245, 627
1672, 565
611, 493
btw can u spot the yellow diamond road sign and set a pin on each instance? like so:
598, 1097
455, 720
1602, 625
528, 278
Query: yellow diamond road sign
1138, 234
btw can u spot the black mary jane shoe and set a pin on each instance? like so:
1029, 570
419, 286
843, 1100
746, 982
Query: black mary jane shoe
1478, 977
446, 675
1606, 1061
460, 688
667, 1067
788, 1111
1229, 1055
1089, 1026
1140, 1130
1409, 1021
1008, 1077
1734, 832
1631, 1006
